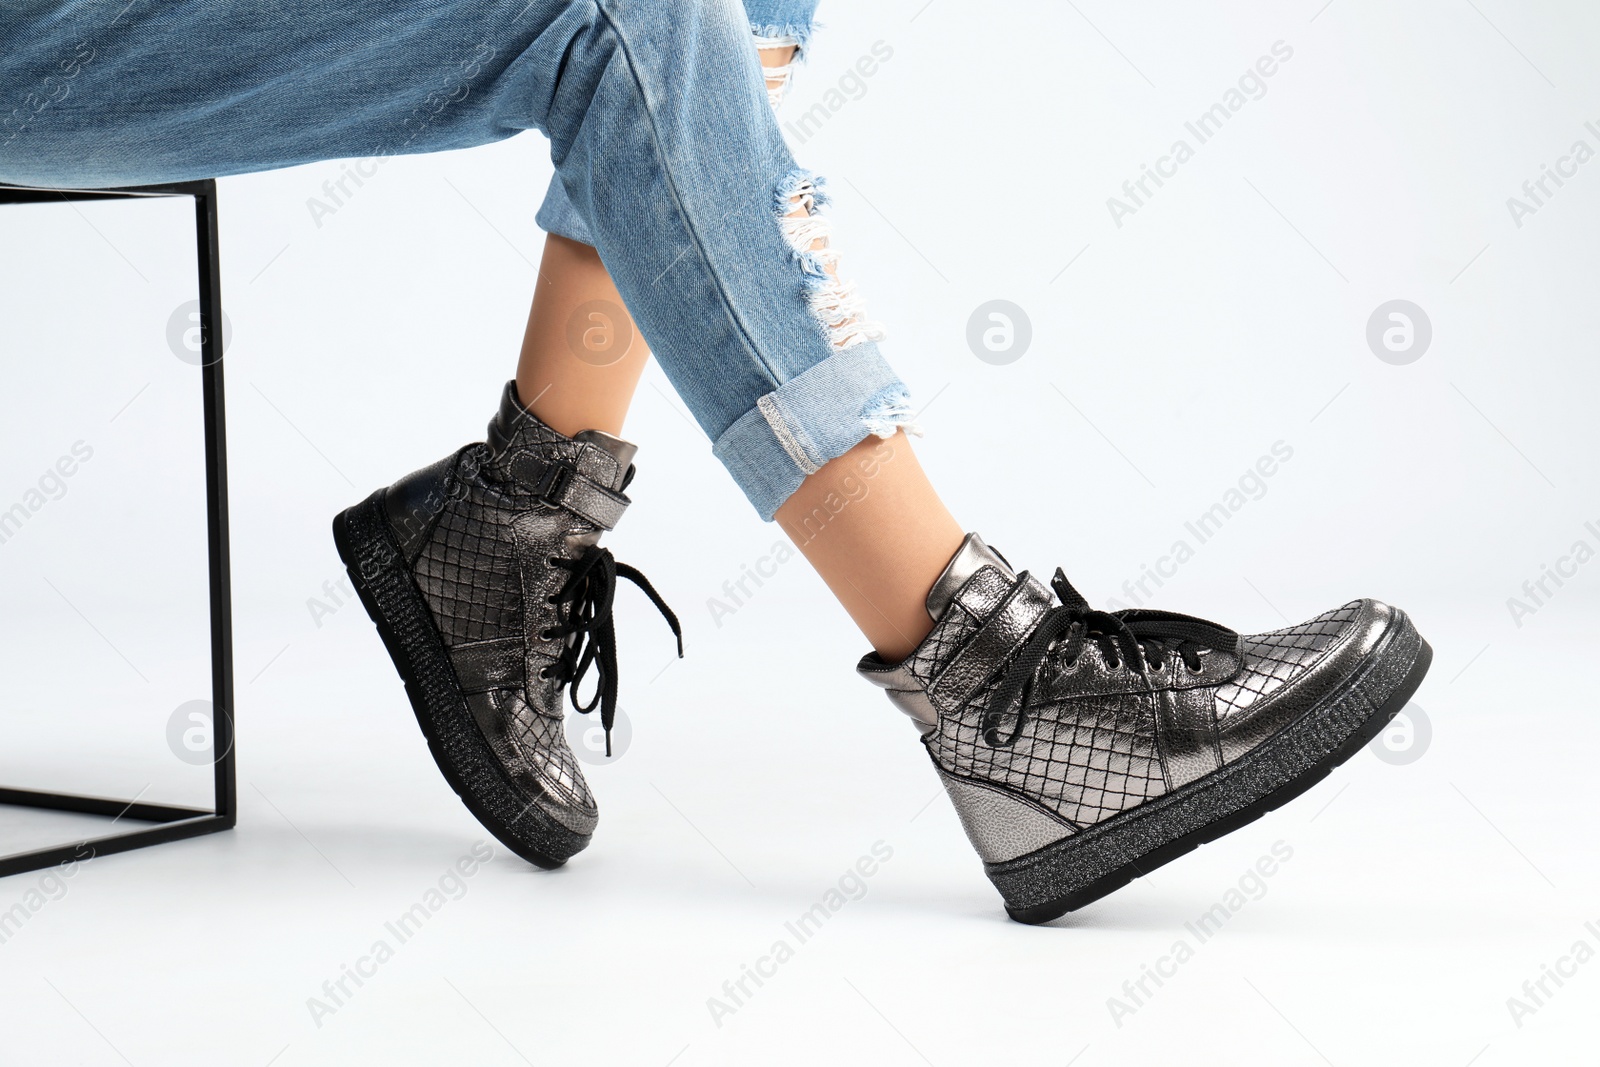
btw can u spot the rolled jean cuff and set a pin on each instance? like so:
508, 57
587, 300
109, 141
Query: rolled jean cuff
810, 419
558, 216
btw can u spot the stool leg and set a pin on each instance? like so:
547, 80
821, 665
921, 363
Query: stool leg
211, 359
165, 822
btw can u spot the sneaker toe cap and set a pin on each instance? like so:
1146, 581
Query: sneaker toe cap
1285, 672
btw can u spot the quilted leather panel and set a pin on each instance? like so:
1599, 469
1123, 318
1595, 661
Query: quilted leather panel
1085, 760
544, 746
1273, 660
534, 752
1005, 626
468, 569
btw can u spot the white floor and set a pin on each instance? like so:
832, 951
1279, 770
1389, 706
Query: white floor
1413, 902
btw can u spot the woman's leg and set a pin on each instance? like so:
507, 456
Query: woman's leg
869, 521
581, 354
874, 528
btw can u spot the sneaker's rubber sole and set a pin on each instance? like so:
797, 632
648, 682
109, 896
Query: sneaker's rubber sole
372, 559
1077, 870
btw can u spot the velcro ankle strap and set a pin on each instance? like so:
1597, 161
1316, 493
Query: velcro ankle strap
1006, 628
562, 485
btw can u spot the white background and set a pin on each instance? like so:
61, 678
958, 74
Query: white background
1227, 314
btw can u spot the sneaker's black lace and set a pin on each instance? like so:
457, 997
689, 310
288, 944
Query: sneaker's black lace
583, 617
1140, 638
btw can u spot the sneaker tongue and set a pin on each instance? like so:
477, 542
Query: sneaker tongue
622, 451
970, 558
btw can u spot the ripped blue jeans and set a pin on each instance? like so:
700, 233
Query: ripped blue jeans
668, 161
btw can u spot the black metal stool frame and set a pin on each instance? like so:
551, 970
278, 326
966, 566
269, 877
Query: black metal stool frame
169, 823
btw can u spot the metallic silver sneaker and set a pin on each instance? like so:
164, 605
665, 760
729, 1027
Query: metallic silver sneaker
1084, 748
484, 576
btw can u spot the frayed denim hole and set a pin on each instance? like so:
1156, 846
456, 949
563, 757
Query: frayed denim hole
778, 79
796, 33
889, 410
838, 309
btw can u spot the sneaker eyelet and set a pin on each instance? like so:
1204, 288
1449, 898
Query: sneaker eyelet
544, 673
